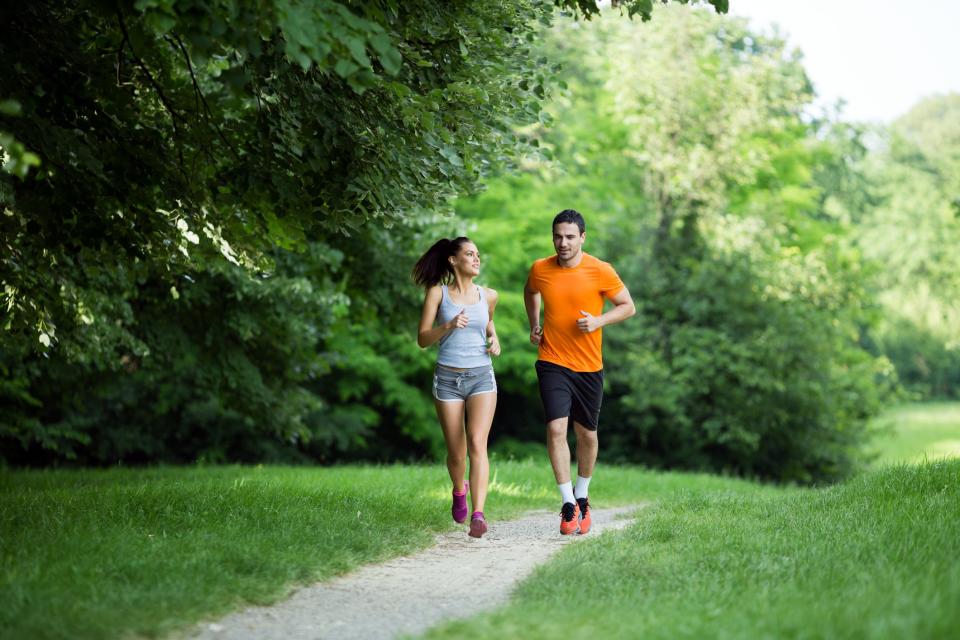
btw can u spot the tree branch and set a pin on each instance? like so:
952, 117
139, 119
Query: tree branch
168, 105
198, 93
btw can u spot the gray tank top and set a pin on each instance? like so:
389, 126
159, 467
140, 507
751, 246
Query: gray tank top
464, 348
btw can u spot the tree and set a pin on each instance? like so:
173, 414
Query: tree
169, 156
911, 230
687, 149
167, 131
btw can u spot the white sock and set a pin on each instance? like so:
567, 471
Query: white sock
582, 485
566, 492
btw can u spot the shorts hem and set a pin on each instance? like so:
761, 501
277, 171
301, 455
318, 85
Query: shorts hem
478, 393
571, 420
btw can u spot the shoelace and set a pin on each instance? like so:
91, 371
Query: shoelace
584, 505
567, 511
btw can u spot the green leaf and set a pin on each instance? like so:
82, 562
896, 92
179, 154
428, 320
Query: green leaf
361, 81
358, 50
381, 43
448, 152
387, 54
9, 107
345, 68
160, 23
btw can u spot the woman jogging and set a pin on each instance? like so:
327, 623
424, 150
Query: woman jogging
459, 315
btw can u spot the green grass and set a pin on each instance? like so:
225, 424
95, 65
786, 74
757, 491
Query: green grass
877, 557
100, 554
121, 552
97, 554
916, 432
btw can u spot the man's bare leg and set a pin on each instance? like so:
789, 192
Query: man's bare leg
587, 446
558, 449
560, 459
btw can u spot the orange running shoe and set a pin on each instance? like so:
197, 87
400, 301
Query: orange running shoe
585, 523
568, 518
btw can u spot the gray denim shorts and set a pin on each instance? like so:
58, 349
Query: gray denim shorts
453, 386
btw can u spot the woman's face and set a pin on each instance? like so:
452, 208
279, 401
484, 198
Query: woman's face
467, 260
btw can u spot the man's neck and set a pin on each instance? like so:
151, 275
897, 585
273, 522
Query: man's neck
572, 262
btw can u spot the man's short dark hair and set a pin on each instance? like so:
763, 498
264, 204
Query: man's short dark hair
571, 215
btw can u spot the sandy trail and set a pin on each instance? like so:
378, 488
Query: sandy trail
456, 578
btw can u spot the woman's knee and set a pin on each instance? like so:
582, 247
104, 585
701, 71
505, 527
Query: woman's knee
477, 447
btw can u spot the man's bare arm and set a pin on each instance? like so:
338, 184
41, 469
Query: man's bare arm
623, 308
531, 299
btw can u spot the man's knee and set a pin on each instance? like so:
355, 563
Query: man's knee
583, 433
557, 428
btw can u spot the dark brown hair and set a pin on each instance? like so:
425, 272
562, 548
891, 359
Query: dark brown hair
571, 215
434, 266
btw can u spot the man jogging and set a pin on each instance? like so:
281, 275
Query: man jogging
572, 286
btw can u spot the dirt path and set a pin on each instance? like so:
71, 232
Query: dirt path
456, 578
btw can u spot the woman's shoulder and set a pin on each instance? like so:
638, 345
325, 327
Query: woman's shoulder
434, 292
491, 294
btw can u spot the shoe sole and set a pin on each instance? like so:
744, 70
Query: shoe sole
477, 532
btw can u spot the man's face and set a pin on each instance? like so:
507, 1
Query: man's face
567, 240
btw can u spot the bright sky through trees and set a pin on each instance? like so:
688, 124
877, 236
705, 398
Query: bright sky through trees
882, 56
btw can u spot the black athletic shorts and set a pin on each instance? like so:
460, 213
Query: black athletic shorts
574, 394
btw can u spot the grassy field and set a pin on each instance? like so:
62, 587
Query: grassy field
115, 553
918, 432
101, 554
876, 557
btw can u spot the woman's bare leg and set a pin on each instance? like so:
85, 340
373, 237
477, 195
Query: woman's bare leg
480, 410
451, 421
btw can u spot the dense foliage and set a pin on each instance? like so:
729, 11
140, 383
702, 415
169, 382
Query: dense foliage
168, 131
163, 129
912, 230
199, 204
175, 250
210, 212
707, 187
295, 366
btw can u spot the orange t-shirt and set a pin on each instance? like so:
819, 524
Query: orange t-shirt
565, 292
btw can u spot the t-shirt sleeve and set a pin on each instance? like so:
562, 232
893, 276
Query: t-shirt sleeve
610, 282
534, 278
